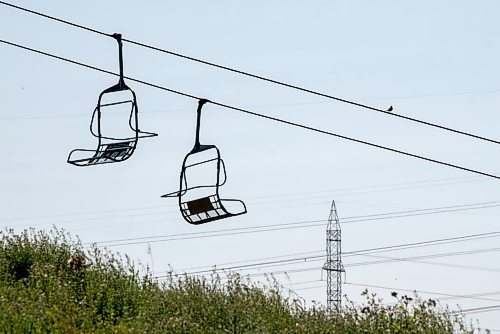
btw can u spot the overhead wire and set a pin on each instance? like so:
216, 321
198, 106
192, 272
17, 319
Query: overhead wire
435, 242
357, 264
337, 192
260, 266
273, 105
430, 256
362, 252
255, 76
392, 186
478, 310
287, 226
80, 213
198, 235
275, 119
317, 268
383, 249
481, 294
393, 259
449, 295
346, 220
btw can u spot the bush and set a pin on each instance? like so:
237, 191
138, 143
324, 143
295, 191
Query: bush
49, 284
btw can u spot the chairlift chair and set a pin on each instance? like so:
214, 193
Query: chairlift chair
111, 149
201, 203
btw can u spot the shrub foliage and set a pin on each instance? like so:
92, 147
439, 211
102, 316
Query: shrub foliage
49, 284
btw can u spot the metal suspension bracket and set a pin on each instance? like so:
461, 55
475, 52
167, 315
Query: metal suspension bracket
197, 145
118, 38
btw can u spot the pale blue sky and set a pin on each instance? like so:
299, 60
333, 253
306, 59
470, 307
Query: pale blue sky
434, 60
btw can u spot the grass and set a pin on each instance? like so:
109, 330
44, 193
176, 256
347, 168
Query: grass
49, 284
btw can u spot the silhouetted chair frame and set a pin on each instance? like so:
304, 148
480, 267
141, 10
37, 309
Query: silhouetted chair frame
118, 149
207, 208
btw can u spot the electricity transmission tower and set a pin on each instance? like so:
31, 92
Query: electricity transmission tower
333, 265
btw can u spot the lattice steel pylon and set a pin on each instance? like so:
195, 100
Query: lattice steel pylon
333, 265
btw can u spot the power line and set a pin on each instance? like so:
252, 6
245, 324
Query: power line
482, 294
393, 186
454, 296
81, 214
262, 265
417, 212
346, 220
313, 258
417, 184
488, 329
275, 119
158, 110
252, 260
439, 264
206, 234
384, 249
255, 76
434, 242
287, 226
392, 259
478, 309
317, 268
428, 256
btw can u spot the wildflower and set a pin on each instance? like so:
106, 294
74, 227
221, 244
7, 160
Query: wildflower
77, 261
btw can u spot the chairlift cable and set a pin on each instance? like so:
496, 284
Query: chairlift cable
389, 111
55, 19
386, 148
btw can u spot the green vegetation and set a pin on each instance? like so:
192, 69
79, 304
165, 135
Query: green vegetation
48, 284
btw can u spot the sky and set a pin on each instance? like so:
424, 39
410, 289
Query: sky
435, 61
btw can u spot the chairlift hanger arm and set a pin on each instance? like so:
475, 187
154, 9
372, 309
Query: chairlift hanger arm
197, 146
121, 85
118, 38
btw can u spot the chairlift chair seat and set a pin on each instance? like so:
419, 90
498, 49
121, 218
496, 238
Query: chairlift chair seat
206, 209
105, 153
